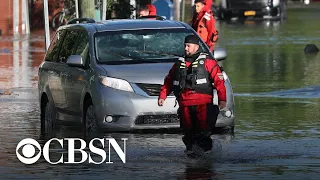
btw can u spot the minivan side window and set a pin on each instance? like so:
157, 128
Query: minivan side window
54, 47
83, 47
68, 45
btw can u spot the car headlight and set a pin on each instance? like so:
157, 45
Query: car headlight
116, 83
275, 3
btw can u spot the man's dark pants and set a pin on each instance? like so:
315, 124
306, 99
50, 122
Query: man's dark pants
197, 123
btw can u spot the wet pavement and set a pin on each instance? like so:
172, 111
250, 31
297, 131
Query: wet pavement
277, 95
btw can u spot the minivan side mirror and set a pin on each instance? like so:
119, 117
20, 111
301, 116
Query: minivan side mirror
75, 61
219, 54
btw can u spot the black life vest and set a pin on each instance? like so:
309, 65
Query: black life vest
195, 77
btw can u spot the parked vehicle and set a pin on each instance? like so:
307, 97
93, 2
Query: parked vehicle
262, 9
107, 75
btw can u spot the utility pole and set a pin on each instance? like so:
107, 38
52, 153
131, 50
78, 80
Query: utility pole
87, 9
183, 10
46, 23
25, 17
16, 17
176, 9
104, 9
77, 8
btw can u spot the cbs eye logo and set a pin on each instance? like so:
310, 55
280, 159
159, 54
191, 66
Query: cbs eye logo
28, 151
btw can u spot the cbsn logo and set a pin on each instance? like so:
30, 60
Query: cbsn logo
29, 157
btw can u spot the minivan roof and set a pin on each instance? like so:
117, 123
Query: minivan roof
131, 24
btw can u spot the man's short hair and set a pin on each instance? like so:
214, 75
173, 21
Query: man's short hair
199, 1
143, 8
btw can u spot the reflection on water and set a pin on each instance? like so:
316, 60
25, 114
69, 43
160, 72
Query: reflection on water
20, 58
277, 112
306, 92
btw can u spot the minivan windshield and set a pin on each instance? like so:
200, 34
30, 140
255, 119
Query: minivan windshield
141, 46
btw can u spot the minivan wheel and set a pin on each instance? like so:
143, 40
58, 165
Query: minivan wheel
48, 119
90, 121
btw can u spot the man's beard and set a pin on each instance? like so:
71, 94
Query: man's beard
190, 54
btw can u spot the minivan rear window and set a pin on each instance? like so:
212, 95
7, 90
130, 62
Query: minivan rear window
141, 45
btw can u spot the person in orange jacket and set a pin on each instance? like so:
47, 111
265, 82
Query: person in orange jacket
203, 22
193, 80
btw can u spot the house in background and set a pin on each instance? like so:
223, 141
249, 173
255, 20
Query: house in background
18, 16
7, 14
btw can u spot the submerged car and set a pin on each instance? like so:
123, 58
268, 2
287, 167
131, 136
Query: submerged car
249, 9
107, 75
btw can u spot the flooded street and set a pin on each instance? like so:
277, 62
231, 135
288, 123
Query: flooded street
277, 95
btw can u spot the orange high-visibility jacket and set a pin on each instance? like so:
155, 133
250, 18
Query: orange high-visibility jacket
205, 27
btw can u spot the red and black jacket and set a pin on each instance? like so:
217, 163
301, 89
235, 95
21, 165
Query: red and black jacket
193, 85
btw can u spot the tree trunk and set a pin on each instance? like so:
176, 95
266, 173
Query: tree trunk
87, 9
183, 10
176, 7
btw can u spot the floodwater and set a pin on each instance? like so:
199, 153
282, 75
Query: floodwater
277, 95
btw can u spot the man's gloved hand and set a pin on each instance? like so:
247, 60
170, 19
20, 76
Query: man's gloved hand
222, 104
160, 102
224, 110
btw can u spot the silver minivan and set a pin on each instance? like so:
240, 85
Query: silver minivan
107, 75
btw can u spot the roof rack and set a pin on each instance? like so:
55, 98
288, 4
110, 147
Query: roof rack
88, 20
150, 17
